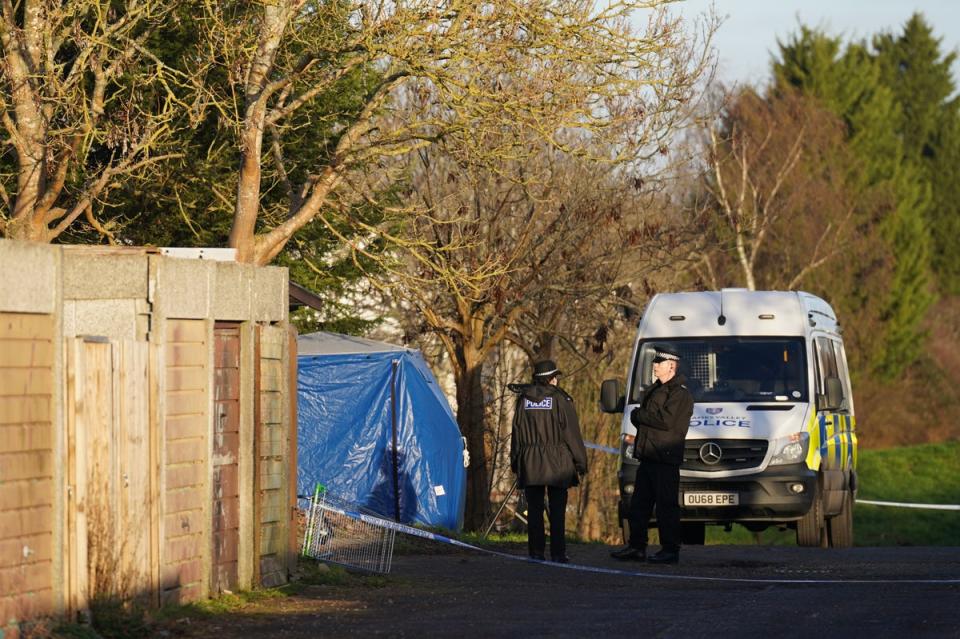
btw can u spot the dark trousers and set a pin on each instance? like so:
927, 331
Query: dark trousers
558, 508
656, 485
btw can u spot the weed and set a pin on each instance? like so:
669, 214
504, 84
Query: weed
70, 631
114, 619
111, 618
226, 603
315, 573
478, 539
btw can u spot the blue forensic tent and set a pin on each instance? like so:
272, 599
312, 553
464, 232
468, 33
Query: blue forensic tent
355, 398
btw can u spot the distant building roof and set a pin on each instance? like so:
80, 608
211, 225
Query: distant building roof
300, 297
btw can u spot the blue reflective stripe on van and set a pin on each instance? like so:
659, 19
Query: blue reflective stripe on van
824, 440
838, 434
845, 433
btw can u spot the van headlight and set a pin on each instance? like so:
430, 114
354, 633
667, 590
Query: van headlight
791, 449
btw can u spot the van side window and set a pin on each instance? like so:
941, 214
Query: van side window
844, 377
826, 362
829, 366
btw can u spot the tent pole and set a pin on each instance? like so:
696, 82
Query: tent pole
393, 429
500, 510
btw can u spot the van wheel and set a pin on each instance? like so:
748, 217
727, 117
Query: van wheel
812, 529
693, 533
840, 527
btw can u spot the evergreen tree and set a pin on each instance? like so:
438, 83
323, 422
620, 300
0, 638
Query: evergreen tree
848, 82
913, 66
944, 175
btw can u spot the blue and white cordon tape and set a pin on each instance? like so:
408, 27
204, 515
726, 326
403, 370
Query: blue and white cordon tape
605, 449
897, 504
416, 532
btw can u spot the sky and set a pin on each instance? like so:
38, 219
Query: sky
748, 35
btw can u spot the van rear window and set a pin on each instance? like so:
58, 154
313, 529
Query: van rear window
731, 369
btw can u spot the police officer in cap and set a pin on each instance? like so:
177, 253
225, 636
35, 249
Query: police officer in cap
547, 454
662, 420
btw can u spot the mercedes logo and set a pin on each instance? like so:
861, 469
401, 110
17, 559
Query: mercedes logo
710, 453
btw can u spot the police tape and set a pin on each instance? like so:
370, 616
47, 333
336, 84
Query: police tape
870, 502
425, 534
897, 504
605, 449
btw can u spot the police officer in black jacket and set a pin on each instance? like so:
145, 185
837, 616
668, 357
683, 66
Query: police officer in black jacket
662, 420
547, 455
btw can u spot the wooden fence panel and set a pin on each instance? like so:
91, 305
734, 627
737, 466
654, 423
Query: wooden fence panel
134, 384
97, 440
26, 466
272, 458
226, 456
185, 530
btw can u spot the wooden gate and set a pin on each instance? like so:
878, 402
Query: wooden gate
226, 454
109, 496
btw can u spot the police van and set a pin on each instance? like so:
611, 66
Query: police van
772, 439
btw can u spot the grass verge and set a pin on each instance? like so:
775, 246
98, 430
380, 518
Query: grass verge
924, 474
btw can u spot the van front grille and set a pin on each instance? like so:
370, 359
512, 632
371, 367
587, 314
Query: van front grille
730, 454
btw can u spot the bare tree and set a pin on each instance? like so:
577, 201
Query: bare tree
537, 264
502, 87
788, 170
571, 73
778, 189
83, 103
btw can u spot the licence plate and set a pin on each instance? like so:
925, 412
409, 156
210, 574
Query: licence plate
711, 499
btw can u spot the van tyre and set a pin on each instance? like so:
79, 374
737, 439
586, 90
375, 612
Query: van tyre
812, 529
840, 527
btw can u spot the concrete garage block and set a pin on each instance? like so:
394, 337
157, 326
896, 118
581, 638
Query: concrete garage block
270, 295
184, 287
231, 299
103, 276
116, 319
29, 273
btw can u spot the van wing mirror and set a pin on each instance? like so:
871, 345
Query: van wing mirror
611, 401
833, 399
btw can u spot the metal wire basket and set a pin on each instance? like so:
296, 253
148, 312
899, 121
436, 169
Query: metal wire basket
339, 532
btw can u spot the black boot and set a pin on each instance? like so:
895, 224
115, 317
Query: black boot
665, 557
629, 553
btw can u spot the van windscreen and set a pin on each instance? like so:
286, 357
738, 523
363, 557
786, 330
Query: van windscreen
731, 369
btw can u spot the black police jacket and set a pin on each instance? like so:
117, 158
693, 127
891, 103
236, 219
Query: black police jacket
546, 448
662, 420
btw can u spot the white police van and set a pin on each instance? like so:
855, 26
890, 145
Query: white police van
772, 440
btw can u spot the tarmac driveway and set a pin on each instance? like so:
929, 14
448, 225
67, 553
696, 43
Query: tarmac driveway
784, 592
